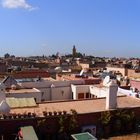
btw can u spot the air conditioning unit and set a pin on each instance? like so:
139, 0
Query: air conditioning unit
89, 128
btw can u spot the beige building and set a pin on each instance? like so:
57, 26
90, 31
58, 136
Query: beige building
123, 71
132, 73
52, 90
84, 65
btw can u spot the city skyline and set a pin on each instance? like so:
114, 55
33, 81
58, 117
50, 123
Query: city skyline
99, 28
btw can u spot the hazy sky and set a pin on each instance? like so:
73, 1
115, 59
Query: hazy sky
96, 27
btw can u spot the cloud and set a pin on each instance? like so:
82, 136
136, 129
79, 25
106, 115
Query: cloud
12, 4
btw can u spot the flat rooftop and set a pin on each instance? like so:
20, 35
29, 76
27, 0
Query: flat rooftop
81, 106
100, 86
49, 79
22, 91
73, 77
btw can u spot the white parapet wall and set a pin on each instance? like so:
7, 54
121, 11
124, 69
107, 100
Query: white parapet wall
99, 92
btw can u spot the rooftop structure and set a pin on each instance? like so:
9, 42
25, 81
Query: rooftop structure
4, 107
21, 102
25, 93
86, 79
28, 133
83, 136
81, 106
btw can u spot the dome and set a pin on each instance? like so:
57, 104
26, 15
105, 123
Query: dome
4, 107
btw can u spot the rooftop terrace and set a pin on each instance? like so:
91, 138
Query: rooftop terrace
81, 106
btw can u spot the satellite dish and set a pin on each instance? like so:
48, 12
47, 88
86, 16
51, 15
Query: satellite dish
82, 71
4, 107
58, 68
106, 80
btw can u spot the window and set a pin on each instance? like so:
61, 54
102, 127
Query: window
94, 96
87, 95
80, 95
62, 92
35, 99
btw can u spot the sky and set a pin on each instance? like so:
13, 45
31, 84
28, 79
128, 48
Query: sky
96, 27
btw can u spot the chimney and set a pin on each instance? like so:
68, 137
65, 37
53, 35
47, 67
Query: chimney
111, 97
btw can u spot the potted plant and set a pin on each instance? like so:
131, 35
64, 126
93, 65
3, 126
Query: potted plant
14, 115
54, 113
64, 112
29, 114
19, 115
34, 115
105, 118
10, 116
50, 113
62, 120
25, 115
1, 116
117, 120
45, 113
72, 121
105, 121
60, 112
128, 119
123, 120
